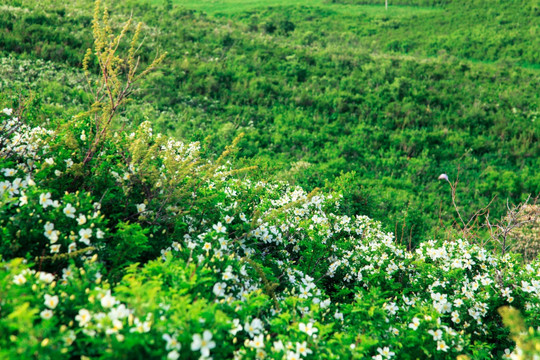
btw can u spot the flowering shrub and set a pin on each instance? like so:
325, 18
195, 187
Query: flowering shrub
150, 251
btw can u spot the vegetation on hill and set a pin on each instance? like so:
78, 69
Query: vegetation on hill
392, 98
122, 237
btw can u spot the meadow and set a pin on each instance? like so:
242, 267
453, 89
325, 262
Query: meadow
262, 179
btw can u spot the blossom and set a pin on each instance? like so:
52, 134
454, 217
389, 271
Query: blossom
302, 349
173, 355
69, 210
257, 342
141, 207
228, 219
81, 220
415, 323
308, 328
9, 172
7, 111
203, 343
51, 301
85, 235
107, 300
55, 248
219, 289
443, 177
220, 228
69, 162
441, 346
253, 328
50, 233
172, 342
45, 200
236, 327
46, 314
83, 317
19, 279
386, 352
291, 355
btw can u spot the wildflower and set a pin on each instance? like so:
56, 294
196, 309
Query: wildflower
45, 200
386, 352
257, 342
173, 355
219, 289
50, 233
107, 300
308, 328
229, 219
141, 207
220, 228
81, 220
437, 334
203, 343
19, 279
9, 172
292, 355
207, 246
443, 177
69, 211
236, 327
172, 343
23, 200
415, 323
7, 111
83, 317
441, 346
55, 249
49, 161
302, 349
51, 301
85, 235
46, 314
253, 328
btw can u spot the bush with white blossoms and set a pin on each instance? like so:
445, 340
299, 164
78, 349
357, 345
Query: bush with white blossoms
150, 251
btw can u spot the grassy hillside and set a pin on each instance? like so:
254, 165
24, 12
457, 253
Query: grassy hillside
211, 203
323, 88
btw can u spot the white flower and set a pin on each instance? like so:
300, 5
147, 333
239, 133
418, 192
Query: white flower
443, 177
437, 334
69, 211
49, 161
69, 162
83, 136
7, 111
219, 289
441, 346
85, 235
9, 172
55, 249
45, 200
415, 323
229, 219
81, 220
257, 342
220, 228
50, 233
141, 207
83, 317
203, 343
236, 327
386, 352
46, 314
51, 301
292, 355
107, 300
254, 328
308, 328
173, 355
278, 346
19, 279
302, 349
172, 342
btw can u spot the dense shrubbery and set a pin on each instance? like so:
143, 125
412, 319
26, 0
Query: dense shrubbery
119, 242
257, 269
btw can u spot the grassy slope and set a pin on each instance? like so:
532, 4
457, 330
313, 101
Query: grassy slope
346, 88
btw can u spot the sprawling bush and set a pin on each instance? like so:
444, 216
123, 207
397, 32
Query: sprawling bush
163, 254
